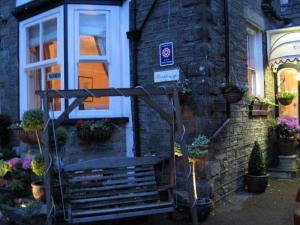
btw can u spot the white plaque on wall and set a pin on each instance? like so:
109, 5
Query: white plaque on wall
166, 75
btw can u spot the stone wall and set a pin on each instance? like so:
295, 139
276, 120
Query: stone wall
9, 60
197, 30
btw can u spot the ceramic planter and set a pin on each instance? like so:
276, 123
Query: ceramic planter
234, 96
204, 207
284, 101
256, 184
38, 190
287, 146
96, 135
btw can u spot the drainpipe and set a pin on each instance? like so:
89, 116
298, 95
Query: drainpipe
227, 60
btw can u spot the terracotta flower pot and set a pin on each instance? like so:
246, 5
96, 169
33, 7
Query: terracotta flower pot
284, 101
38, 190
287, 146
233, 97
94, 135
256, 184
28, 137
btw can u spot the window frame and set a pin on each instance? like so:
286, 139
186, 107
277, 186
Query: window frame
42, 64
114, 38
258, 61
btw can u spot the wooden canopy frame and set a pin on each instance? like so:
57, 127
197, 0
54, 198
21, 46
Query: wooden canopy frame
174, 119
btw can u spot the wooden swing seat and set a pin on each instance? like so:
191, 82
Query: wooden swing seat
115, 188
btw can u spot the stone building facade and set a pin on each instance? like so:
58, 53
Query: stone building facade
197, 30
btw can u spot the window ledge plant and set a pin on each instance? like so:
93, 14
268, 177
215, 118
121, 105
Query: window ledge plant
90, 130
259, 106
286, 97
233, 92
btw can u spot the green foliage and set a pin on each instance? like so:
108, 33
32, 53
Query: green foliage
4, 168
4, 130
260, 101
38, 164
17, 186
61, 136
286, 95
199, 147
32, 206
233, 87
6, 153
105, 125
5, 200
257, 164
184, 87
32, 120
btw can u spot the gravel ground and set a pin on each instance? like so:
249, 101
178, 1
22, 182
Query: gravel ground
275, 207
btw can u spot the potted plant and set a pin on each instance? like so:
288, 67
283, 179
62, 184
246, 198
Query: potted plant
184, 89
38, 168
61, 135
233, 92
259, 106
287, 132
4, 169
286, 97
197, 151
29, 130
17, 187
90, 130
257, 178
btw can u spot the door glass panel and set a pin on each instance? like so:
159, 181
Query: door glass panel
288, 82
33, 44
92, 30
50, 39
93, 76
53, 78
33, 84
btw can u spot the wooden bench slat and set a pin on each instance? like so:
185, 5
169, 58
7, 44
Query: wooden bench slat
113, 162
115, 197
123, 215
120, 209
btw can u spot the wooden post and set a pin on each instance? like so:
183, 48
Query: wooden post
187, 168
172, 168
47, 176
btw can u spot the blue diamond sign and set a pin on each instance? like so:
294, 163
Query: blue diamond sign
166, 54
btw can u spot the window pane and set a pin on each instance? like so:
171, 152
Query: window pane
250, 51
50, 39
251, 82
53, 78
93, 76
33, 84
33, 44
92, 29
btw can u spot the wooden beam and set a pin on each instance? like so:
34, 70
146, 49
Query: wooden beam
166, 116
187, 168
67, 111
80, 93
46, 152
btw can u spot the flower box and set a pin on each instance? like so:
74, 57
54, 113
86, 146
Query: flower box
259, 110
94, 135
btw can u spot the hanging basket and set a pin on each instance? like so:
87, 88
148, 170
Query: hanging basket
28, 137
285, 101
96, 135
233, 97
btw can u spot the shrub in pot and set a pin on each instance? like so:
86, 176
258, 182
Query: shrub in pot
4, 169
287, 130
256, 179
184, 89
38, 168
286, 97
233, 92
197, 151
4, 131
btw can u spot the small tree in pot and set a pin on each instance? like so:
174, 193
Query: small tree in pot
257, 179
38, 168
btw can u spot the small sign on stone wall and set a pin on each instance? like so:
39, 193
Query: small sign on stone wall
166, 56
166, 75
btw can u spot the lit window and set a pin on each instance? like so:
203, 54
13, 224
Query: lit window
255, 62
284, 2
39, 41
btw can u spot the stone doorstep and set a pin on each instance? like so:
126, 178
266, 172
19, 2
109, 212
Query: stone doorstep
284, 173
288, 162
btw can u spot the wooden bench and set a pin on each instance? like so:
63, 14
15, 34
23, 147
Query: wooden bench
115, 188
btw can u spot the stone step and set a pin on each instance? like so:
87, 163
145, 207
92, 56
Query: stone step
284, 173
